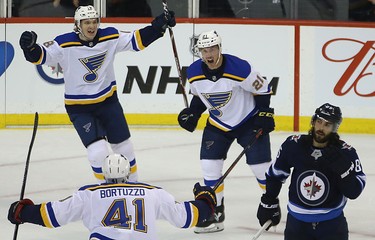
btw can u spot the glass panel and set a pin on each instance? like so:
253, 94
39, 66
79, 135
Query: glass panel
129, 8
342, 10
180, 7
362, 10
44, 8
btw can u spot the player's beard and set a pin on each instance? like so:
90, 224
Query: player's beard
320, 136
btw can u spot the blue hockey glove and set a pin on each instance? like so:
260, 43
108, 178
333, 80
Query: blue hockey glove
337, 162
15, 209
264, 119
163, 21
188, 120
206, 194
28, 40
269, 209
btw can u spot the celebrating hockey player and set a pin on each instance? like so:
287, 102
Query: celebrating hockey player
326, 171
238, 101
118, 209
86, 57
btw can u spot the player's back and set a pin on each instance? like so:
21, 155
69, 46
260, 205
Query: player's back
119, 211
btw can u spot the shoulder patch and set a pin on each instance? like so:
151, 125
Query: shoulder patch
194, 72
236, 68
108, 33
68, 40
87, 186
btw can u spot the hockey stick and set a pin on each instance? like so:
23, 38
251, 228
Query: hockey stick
260, 231
176, 57
252, 141
36, 120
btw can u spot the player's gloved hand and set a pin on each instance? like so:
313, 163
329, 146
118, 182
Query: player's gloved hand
28, 40
15, 209
187, 119
206, 194
337, 162
264, 119
163, 21
269, 209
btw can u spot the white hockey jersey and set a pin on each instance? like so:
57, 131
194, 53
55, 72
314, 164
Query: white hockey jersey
88, 71
120, 211
230, 98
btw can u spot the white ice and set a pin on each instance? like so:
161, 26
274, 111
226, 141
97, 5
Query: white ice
167, 157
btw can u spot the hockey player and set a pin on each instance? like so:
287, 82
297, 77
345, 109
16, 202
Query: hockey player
86, 57
118, 209
326, 171
238, 103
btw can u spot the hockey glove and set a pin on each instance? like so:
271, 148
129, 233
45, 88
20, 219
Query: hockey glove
337, 162
14, 213
269, 209
28, 40
264, 119
206, 194
163, 21
188, 120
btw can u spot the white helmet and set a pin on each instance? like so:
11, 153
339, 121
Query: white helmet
82, 13
116, 168
208, 39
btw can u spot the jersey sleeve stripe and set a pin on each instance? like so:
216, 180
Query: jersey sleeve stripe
137, 41
48, 216
42, 57
43, 213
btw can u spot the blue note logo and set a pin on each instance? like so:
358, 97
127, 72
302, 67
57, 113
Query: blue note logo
7, 55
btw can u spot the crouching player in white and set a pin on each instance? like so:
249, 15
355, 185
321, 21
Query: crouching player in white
118, 209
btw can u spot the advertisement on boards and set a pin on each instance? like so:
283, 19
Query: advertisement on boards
338, 67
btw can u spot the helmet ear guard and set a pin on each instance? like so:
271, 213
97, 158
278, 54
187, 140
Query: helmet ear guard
82, 13
116, 168
328, 113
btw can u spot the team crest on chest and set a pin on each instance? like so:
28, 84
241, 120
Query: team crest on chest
217, 101
93, 64
317, 153
312, 187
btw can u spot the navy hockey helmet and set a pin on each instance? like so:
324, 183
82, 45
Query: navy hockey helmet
116, 168
329, 113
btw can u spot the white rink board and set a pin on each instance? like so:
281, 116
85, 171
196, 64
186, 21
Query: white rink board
32, 91
269, 48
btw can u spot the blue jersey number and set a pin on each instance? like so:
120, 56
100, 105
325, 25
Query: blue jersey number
117, 215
